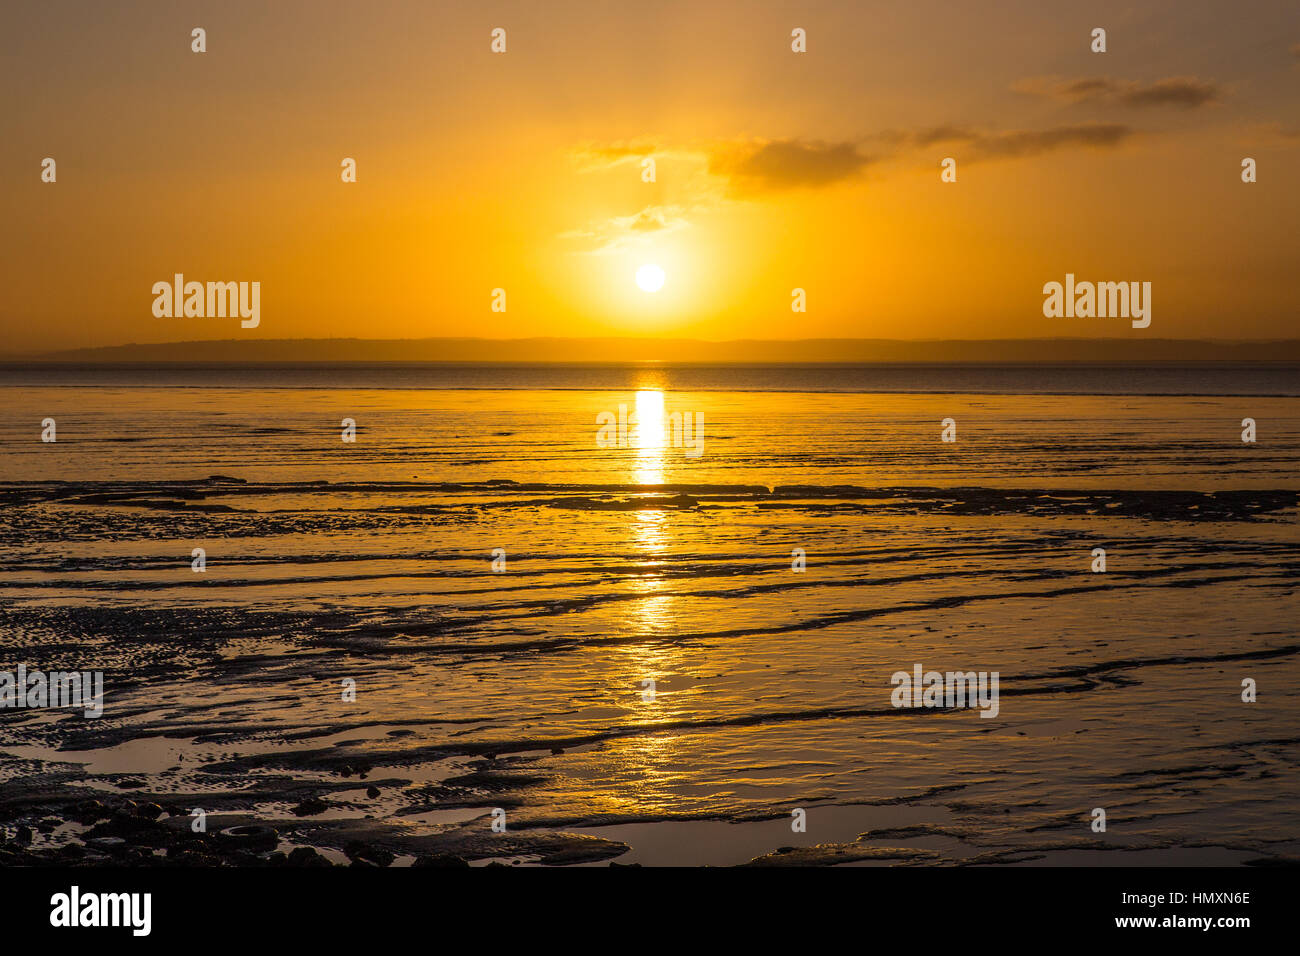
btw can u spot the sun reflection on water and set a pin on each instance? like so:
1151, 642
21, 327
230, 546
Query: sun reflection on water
649, 437
654, 615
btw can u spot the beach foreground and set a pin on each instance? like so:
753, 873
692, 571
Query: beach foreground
498, 588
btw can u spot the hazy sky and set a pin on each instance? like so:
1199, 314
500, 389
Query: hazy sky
522, 170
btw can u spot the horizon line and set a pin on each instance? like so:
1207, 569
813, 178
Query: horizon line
620, 350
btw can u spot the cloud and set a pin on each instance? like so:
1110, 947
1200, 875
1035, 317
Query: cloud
1186, 92
942, 134
743, 170
1012, 144
737, 169
776, 165
620, 232
653, 219
591, 156
1036, 142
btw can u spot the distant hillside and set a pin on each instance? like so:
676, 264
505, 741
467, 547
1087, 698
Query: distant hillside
619, 350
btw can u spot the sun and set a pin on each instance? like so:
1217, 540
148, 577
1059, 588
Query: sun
650, 278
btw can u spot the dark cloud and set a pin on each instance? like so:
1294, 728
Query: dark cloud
942, 134
1086, 88
786, 164
1012, 144
753, 168
1186, 92
1020, 143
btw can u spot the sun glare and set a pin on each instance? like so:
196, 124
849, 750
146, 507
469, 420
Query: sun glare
650, 278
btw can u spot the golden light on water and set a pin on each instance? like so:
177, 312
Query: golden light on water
654, 760
649, 437
650, 532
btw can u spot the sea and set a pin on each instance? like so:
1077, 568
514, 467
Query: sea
656, 614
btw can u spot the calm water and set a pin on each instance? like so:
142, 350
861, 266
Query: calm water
1196, 379
522, 690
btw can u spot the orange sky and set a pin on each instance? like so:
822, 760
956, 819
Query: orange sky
522, 170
